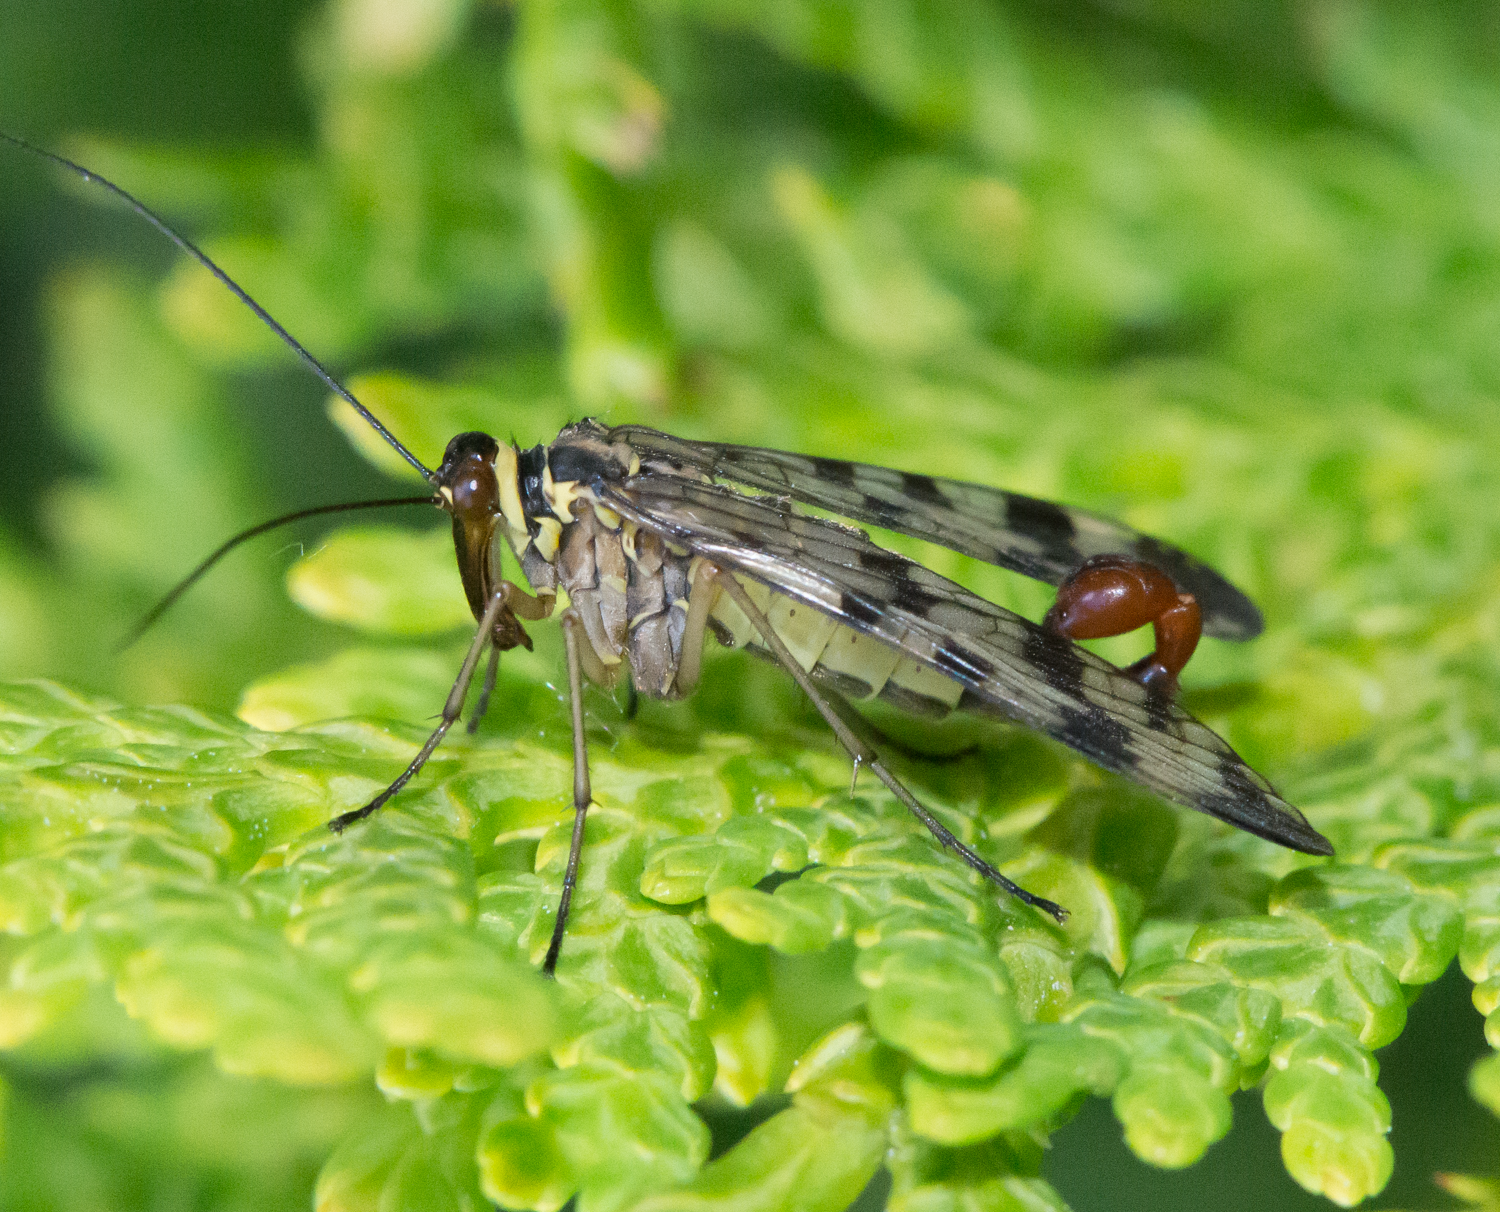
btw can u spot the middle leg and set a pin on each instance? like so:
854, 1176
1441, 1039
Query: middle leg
482, 704
863, 755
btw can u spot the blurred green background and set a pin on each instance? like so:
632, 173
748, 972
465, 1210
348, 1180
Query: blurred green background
1236, 270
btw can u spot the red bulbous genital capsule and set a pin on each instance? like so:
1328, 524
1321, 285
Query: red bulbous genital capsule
1110, 595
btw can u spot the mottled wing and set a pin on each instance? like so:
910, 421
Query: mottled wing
1009, 663
1030, 536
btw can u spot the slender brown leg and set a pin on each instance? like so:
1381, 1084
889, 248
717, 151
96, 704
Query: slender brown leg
523, 606
701, 598
863, 755
582, 794
482, 704
452, 709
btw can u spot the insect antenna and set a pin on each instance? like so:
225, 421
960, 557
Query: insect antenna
224, 549
232, 286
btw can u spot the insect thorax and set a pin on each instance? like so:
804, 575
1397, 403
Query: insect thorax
631, 588
627, 588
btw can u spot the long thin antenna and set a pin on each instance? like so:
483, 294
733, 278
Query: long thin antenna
192, 578
234, 288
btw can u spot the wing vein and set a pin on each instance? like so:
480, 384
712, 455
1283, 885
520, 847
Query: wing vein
1006, 662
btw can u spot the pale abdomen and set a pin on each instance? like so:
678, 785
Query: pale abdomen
856, 665
639, 617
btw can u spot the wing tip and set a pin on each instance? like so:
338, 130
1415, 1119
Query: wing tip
1237, 620
1313, 842
1291, 829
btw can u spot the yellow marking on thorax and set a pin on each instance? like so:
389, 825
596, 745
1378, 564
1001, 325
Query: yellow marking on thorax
510, 497
559, 495
608, 518
547, 538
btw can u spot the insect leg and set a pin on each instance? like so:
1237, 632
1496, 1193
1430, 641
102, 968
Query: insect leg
863, 755
701, 598
452, 709
523, 605
582, 793
874, 735
482, 704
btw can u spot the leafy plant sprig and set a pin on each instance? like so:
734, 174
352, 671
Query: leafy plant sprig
966, 241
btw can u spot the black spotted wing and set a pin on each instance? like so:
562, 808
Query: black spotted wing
1004, 661
1030, 536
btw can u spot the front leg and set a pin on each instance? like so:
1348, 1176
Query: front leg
526, 606
576, 639
508, 634
482, 703
451, 711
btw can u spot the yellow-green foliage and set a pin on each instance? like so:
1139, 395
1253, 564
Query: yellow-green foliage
1231, 275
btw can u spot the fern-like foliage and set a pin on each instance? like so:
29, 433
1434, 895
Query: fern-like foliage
1233, 278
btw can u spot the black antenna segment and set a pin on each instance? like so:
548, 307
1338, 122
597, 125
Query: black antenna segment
224, 549
234, 288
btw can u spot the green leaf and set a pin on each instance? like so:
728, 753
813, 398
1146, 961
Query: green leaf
383, 580
1329, 984
1070, 255
1415, 937
949, 1006
1058, 1064
391, 1161
799, 1157
1170, 1115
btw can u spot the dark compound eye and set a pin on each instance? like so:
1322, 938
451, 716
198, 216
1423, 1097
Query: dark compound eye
467, 445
